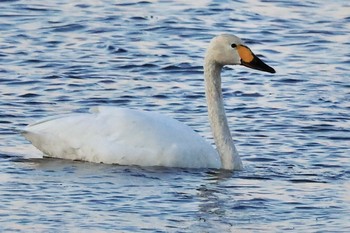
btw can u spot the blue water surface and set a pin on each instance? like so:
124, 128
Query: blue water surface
292, 129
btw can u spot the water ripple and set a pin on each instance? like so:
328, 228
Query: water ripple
291, 129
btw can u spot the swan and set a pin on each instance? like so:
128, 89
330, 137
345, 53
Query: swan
123, 136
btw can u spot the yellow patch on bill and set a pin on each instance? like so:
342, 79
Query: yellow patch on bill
245, 53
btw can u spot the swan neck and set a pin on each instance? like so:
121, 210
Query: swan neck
228, 154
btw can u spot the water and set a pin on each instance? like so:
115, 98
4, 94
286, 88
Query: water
292, 129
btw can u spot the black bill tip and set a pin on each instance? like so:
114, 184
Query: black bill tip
258, 64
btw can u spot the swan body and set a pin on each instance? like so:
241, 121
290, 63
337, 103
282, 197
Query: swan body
129, 137
123, 136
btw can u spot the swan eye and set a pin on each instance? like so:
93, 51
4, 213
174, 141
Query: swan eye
233, 45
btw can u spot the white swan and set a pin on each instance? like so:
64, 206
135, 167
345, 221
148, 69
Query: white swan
129, 137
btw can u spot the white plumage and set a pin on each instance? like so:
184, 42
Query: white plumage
122, 136
129, 137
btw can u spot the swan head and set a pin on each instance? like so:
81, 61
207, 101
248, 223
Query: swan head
228, 49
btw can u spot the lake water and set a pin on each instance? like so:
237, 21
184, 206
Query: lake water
292, 128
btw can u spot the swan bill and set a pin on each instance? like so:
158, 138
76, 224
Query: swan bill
249, 59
